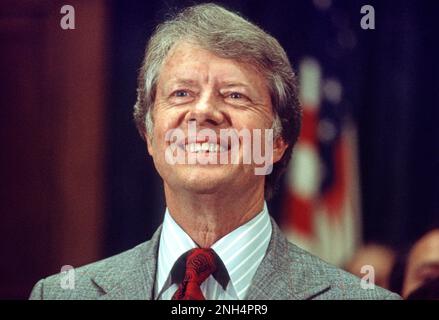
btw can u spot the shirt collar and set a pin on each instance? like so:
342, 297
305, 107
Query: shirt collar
241, 251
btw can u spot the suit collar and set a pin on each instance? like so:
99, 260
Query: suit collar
283, 275
256, 234
132, 278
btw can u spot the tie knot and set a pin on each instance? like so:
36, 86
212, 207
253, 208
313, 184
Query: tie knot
200, 264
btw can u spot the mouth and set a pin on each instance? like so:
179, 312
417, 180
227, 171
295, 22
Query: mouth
204, 146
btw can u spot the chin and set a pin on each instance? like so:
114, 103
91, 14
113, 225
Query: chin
204, 181
202, 189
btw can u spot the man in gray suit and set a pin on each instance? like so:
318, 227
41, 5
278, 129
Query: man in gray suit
213, 87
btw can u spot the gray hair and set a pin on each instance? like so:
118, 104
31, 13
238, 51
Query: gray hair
227, 35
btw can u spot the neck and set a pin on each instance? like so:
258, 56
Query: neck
206, 218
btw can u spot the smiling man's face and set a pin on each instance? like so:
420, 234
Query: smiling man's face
216, 93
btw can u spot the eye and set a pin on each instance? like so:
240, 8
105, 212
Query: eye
180, 93
236, 95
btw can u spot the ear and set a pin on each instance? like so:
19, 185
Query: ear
148, 140
279, 147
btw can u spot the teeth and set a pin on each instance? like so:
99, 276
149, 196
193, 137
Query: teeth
202, 147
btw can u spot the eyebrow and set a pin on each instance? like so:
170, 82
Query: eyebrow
235, 84
249, 90
428, 265
224, 84
187, 82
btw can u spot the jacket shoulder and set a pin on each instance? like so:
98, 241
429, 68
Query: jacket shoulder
78, 283
341, 284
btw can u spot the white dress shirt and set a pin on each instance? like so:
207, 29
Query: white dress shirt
241, 252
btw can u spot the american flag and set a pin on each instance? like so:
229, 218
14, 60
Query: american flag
321, 210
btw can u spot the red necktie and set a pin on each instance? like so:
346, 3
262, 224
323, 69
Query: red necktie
200, 264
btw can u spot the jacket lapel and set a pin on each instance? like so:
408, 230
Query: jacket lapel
133, 277
282, 275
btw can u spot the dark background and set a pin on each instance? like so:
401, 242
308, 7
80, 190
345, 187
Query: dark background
391, 77
77, 183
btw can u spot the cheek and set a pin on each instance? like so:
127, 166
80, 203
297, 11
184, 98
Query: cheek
164, 123
251, 120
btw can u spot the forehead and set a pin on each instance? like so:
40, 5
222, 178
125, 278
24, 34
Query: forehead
189, 61
427, 249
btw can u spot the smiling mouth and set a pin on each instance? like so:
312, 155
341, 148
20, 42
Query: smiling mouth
204, 147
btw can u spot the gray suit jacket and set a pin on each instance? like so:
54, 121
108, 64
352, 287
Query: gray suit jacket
286, 272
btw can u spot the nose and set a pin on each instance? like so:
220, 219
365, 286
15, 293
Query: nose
206, 111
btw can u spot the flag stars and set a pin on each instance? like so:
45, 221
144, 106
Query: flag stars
332, 90
322, 4
326, 131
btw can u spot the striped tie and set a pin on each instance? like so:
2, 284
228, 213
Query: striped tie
200, 264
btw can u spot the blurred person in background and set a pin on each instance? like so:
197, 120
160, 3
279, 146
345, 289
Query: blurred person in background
422, 263
417, 268
428, 291
380, 257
